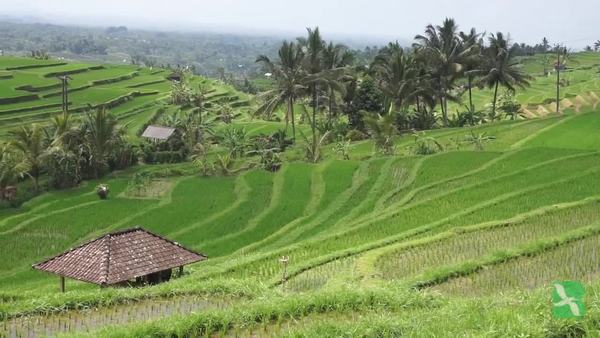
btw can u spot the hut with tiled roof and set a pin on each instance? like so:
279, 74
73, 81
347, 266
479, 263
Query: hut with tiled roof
121, 257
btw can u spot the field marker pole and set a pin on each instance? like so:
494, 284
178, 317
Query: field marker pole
284, 260
62, 284
557, 78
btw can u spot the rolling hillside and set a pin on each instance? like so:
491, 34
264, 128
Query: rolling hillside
377, 246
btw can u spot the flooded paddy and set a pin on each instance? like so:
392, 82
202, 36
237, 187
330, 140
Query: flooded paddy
95, 318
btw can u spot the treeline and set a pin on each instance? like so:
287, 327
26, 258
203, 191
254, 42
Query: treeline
66, 151
401, 89
209, 54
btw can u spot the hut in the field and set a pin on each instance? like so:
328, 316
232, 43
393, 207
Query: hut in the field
158, 133
133, 256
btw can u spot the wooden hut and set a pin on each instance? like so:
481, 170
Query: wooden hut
123, 257
158, 133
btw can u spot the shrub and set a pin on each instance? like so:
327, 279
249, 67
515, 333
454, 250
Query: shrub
164, 157
356, 135
63, 168
425, 145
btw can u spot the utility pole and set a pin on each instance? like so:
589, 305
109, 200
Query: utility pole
65, 95
558, 78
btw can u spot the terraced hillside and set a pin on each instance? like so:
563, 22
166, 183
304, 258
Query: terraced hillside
30, 91
580, 89
400, 245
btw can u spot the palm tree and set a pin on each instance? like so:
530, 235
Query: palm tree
472, 62
397, 74
444, 53
290, 79
500, 68
335, 57
597, 45
13, 166
563, 57
31, 141
382, 132
313, 45
102, 135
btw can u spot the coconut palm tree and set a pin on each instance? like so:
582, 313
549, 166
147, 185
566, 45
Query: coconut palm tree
290, 79
13, 166
382, 131
472, 62
314, 46
597, 45
500, 68
335, 57
31, 141
444, 54
397, 74
102, 135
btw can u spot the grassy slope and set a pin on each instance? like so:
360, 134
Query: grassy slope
349, 227
582, 77
94, 85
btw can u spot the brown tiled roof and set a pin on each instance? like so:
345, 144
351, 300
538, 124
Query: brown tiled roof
120, 256
159, 133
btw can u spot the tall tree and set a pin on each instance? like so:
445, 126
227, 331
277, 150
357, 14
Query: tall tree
102, 135
472, 62
31, 141
335, 57
444, 54
314, 45
501, 68
290, 79
13, 166
545, 45
397, 74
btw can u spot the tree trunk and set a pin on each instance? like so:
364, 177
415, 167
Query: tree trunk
287, 115
331, 100
444, 117
36, 182
291, 110
443, 102
313, 124
470, 83
494, 102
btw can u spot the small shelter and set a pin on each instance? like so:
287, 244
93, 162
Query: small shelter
157, 133
121, 257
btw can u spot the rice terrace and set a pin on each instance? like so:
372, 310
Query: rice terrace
173, 184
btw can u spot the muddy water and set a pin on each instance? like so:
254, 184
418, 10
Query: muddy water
93, 319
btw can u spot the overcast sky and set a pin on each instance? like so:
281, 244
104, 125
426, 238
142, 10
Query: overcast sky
574, 22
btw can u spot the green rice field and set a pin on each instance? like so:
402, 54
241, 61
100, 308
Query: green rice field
464, 242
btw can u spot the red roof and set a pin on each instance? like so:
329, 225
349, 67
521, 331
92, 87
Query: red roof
120, 256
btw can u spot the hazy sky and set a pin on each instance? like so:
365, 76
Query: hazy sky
575, 22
